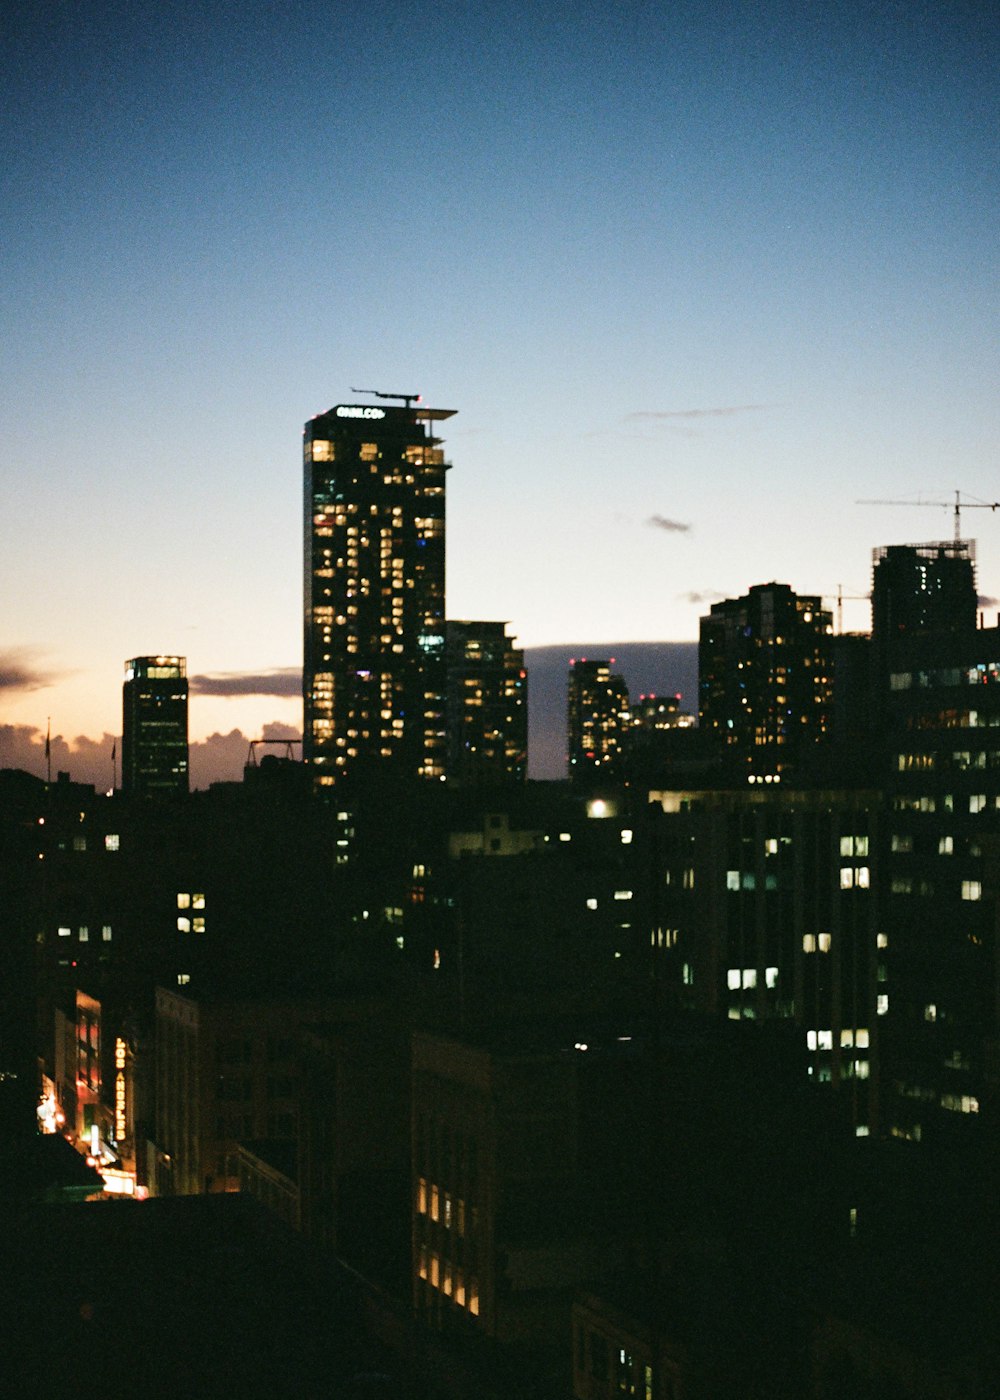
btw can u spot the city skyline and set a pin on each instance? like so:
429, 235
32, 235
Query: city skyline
697, 281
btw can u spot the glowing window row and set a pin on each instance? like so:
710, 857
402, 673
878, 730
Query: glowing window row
450, 1280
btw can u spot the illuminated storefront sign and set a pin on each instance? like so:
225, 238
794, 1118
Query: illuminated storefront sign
121, 1120
356, 411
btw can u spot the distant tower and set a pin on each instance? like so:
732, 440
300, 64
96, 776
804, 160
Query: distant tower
765, 677
487, 704
923, 588
374, 663
155, 726
599, 720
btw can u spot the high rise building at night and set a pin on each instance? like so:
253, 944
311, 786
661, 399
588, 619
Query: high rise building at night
598, 720
374, 673
487, 704
923, 588
155, 726
765, 677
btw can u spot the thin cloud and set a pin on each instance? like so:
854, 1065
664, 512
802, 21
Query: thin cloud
728, 412
19, 672
985, 602
285, 682
662, 522
708, 596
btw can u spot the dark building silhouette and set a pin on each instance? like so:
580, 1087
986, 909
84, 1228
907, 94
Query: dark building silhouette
765, 679
487, 704
923, 588
374, 663
598, 721
155, 727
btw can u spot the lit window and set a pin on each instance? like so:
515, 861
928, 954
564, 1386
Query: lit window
825, 1039
808, 943
474, 1296
565, 836
881, 1004
846, 877
183, 901
183, 978
732, 879
861, 1039
198, 925
824, 942
946, 846
84, 934
733, 979
626, 838
64, 932
623, 894
591, 903
977, 802
749, 977
881, 940
183, 925
197, 901
106, 933
771, 976
930, 1012
972, 889
112, 842
810, 1040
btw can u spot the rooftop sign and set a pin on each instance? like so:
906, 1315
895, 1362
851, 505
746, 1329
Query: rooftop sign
348, 410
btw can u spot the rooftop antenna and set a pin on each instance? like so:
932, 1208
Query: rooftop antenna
956, 508
408, 399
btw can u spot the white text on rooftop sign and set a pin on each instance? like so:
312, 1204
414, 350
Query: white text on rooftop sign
350, 411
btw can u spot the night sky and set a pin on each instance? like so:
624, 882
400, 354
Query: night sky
698, 277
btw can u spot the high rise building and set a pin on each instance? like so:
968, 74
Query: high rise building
155, 726
765, 678
487, 704
598, 720
923, 588
374, 666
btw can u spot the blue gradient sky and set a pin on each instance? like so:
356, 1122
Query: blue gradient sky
725, 267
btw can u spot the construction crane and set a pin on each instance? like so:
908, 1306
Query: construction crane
408, 399
850, 598
956, 508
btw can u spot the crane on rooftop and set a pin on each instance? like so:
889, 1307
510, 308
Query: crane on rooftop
960, 504
408, 399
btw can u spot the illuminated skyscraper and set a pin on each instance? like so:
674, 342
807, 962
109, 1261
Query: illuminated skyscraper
487, 704
374, 664
155, 726
765, 678
599, 720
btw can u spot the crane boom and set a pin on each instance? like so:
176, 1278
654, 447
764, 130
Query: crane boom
956, 507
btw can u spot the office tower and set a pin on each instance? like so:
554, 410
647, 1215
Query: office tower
923, 588
155, 726
940, 991
374, 664
765, 678
599, 718
487, 704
